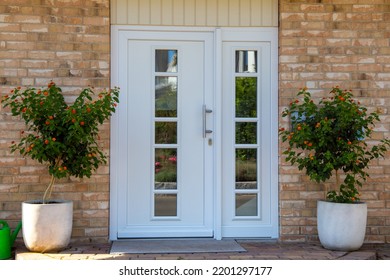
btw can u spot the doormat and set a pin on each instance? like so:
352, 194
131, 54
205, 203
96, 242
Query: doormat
164, 246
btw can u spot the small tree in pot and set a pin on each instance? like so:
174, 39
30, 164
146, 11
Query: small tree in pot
63, 136
329, 138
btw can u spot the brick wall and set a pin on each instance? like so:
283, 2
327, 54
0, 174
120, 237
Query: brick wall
66, 41
324, 43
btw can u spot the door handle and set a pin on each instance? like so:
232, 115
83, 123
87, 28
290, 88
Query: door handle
205, 112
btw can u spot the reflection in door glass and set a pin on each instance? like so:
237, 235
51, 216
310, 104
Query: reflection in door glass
246, 204
166, 61
246, 169
165, 169
246, 97
166, 97
246, 193
246, 132
165, 205
246, 61
165, 133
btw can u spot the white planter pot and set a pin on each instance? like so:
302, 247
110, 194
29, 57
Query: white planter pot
47, 227
341, 226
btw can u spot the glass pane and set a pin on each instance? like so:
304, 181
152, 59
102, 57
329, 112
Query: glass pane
165, 132
165, 205
165, 169
246, 61
166, 61
246, 132
246, 204
246, 169
166, 97
246, 97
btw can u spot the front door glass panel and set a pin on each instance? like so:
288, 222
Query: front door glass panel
165, 128
165, 169
166, 61
246, 134
246, 61
166, 96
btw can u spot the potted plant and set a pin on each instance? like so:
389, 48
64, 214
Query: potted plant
64, 137
329, 138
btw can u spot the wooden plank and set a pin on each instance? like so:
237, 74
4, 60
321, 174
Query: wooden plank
200, 12
256, 6
178, 12
189, 12
212, 12
119, 11
132, 11
234, 12
144, 12
167, 12
155, 12
266, 13
226, 13
223, 12
245, 12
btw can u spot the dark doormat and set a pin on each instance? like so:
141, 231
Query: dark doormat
163, 246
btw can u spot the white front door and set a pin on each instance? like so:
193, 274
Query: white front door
194, 139
164, 143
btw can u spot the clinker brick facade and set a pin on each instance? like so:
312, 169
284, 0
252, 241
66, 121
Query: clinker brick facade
67, 42
322, 43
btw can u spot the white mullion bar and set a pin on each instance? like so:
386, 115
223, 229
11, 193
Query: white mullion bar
246, 146
166, 191
165, 119
246, 119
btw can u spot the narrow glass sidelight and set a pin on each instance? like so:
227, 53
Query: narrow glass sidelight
246, 135
166, 134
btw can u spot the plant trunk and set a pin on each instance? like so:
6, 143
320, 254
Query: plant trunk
47, 194
49, 189
337, 180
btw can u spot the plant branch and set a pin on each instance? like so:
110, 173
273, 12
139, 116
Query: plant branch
49, 189
337, 179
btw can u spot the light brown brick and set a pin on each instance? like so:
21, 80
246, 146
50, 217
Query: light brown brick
40, 42
344, 41
353, 52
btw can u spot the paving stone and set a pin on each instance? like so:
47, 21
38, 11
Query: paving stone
356, 255
383, 255
255, 250
32, 256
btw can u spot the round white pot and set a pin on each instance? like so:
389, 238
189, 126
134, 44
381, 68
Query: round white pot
47, 227
341, 226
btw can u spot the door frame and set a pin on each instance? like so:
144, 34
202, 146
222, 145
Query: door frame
269, 34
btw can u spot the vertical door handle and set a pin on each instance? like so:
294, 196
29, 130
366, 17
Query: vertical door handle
205, 112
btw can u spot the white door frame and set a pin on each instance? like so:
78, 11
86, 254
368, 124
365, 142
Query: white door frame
220, 34
264, 41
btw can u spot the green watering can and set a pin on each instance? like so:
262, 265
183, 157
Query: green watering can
7, 239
